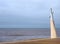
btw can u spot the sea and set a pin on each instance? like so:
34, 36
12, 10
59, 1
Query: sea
14, 34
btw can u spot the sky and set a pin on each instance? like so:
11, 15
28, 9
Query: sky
28, 13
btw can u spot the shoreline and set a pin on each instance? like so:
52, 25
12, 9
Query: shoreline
35, 41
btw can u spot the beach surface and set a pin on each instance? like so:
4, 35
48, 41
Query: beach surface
35, 41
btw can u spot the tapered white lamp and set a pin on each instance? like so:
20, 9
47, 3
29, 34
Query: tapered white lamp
52, 25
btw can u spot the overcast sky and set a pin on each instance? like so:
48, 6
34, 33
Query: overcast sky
28, 13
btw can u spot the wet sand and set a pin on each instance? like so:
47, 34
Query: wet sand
36, 41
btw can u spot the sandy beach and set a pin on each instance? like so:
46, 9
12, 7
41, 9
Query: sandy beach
36, 41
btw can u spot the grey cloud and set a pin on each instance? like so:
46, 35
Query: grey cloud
27, 12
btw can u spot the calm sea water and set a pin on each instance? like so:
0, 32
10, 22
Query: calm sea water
14, 34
